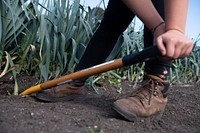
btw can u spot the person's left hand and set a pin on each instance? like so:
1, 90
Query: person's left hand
174, 44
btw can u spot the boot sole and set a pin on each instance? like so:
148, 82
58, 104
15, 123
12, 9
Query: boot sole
128, 116
134, 118
48, 98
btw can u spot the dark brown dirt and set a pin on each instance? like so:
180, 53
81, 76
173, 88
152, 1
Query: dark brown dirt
93, 114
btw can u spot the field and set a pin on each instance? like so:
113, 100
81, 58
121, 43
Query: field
47, 39
94, 114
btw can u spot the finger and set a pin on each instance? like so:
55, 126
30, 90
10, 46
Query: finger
184, 52
170, 48
160, 45
187, 49
178, 52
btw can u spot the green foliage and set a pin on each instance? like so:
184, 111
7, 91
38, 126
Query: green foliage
50, 36
186, 70
13, 22
63, 34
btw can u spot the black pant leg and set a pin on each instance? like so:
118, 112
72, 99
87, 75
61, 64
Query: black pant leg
157, 66
116, 19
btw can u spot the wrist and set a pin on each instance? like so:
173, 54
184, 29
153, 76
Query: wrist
156, 27
159, 30
175, 29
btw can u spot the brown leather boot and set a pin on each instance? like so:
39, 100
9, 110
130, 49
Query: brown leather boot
148, 100
65, 92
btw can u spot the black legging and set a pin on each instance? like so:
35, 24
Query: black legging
116, 19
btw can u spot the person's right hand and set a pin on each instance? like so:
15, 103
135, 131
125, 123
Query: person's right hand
173, 44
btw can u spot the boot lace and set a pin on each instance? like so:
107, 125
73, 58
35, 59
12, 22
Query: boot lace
147, 91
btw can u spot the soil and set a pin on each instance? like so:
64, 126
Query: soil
94, 114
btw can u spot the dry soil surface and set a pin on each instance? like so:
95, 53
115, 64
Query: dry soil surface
93, 114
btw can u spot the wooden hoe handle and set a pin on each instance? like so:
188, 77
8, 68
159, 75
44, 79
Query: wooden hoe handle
146, 54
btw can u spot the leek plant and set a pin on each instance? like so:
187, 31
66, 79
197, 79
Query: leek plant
47, 38
13, 22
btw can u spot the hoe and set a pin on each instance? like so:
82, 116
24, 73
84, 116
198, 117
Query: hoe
146, 54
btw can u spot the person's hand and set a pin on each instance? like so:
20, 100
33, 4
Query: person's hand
158, 31
173, 44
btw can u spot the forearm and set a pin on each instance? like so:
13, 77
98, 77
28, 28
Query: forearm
176, 14
146, 11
